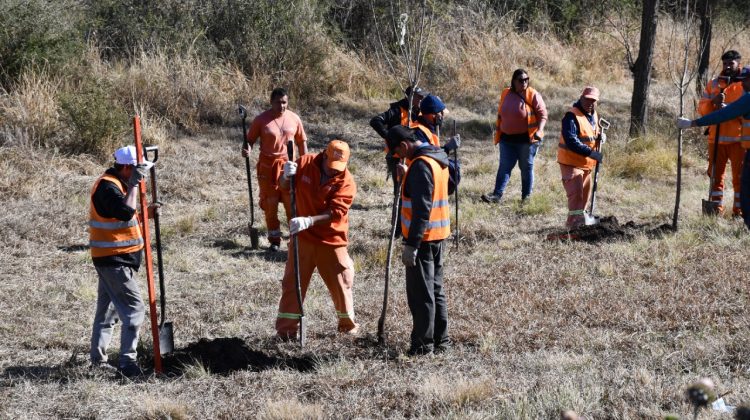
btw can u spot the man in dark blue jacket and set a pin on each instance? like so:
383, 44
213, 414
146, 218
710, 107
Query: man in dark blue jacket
425, 224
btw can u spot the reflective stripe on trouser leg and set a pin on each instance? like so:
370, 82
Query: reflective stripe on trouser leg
288, 315
336, 269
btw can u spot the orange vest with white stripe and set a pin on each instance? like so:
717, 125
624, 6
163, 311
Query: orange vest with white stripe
404, 117
439, 225
729, 131
531, 121
110, 236
587, 134
434, 139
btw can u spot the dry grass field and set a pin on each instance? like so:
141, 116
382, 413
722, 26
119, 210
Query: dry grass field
615, 329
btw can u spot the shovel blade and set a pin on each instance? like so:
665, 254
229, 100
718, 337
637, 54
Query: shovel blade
591, 220
710, 208
302, 331
166, 338
254, 237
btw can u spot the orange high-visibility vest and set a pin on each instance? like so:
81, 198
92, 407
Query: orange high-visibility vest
110, 236
587, 134
404, 122
729, 131
434, 139
532, 122
404, 117
439, 226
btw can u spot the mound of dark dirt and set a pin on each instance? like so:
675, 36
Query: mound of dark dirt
226, 355
609, 228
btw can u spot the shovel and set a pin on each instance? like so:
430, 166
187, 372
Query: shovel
295, 244
711, 208
394, 226
590, 218
251, 226
166, 332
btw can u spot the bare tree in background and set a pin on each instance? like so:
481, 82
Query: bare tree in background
619, 23
406, 33
641, 69
705, 9
686, 47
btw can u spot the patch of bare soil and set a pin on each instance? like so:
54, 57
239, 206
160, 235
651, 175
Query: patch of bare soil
225, 355
609, 229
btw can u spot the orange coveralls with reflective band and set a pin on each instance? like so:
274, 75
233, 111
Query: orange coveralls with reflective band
320, 246
729, 141
110, 236
576, 169
530, 115
439, 226
274, 132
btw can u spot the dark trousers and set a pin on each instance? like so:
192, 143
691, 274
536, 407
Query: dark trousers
745, 189
424, 292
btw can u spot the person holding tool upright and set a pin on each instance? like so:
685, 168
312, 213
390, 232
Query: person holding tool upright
738, 108
519, 130
425, 224
719, 92
577, 154
116, 242
274, 127
324, 192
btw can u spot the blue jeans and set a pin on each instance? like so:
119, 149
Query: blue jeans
510, 153
745, 190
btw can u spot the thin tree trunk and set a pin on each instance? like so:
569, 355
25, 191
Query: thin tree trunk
706, 9
642, 69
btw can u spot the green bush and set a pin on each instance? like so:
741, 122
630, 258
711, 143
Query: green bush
97, 120
36, 33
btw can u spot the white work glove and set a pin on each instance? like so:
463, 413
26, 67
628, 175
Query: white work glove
246, 150
290, 168
683, 123
409, 256
298, 224
603, 138
453, 143
140, 172
597, 156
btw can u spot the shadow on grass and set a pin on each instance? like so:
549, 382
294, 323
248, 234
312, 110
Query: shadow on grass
607, 229
241, 251
73, 248
223, 356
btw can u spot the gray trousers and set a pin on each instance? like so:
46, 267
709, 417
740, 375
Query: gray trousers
119, 299
426, 298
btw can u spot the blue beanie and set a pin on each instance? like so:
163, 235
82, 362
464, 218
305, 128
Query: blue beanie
431, 104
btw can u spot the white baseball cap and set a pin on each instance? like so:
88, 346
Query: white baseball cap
127, 156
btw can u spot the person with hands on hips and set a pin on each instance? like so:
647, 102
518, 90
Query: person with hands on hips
324, 192
425, 224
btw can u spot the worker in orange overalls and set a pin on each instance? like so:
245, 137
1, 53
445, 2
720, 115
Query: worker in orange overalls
576, 154
720, 91
324, 192
274, 127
